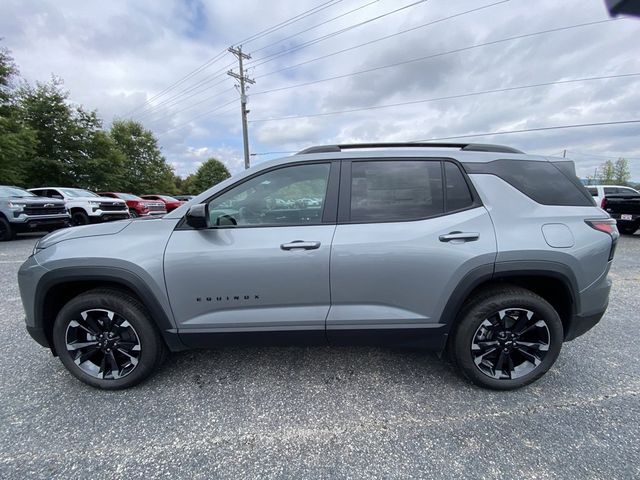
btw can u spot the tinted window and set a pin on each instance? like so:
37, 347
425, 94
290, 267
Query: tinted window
14, 192
395, 190
458, 195
628, 192
610, 190
287, 196
541, 181
593, 191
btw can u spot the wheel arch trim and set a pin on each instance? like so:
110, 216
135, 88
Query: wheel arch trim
114, 275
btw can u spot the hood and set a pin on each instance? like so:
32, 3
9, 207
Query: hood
108, 228
103, 199
38, 201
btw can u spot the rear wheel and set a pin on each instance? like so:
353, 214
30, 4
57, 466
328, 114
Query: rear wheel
506, 338
106, 339
6, 232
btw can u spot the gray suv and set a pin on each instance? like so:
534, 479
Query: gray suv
480, 251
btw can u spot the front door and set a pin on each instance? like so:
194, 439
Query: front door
261, 269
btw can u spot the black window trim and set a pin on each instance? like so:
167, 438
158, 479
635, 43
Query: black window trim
344, 201
329, 206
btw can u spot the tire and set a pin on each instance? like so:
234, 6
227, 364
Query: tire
79, 218
137, 348
628, 229
511, 323
133, 214
6, 232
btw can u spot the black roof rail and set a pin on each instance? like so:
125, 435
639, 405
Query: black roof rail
467, 147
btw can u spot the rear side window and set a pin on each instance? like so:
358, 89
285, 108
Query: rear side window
395, 190
541, 181
458, 195
593, 191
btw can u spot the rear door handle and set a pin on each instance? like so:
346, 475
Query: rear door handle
460, 237
300, 244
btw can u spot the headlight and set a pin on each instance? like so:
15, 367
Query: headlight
17, 206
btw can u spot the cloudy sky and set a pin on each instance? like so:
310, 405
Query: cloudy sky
119, 57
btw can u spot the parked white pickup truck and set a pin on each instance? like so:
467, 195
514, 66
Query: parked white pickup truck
85, 206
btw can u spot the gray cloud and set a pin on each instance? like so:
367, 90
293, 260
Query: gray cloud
115, 55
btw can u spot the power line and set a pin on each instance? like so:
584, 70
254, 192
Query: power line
427, 57
189, 107
308, 43
177, 127
219, 55
500, 132
448, 97
315, 26
290, 21
525, 130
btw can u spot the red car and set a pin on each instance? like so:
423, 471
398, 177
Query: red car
138, 207
169, 202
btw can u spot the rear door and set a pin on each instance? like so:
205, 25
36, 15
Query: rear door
409, 230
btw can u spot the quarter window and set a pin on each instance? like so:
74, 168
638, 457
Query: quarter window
288, 196
395, 190
457, 192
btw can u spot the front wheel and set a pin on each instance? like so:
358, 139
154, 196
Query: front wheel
133, 214
106, 339
79, 218
506, 338
6, 232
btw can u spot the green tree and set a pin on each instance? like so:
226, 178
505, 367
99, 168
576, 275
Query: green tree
210, 173
145, 169
65, 134
17, 141
621, 171
607, 172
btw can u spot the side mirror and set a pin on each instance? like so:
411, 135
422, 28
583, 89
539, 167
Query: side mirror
197, 216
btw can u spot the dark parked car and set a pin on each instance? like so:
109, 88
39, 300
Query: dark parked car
22, 211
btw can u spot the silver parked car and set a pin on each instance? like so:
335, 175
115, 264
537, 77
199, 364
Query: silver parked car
492, 255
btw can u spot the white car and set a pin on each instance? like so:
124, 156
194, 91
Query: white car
84, 206
598, 192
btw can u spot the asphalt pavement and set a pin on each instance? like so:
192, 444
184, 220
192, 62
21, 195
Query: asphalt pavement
325, 412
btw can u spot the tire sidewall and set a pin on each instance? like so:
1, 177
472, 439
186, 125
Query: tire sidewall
476, 314
150, 346
7, 233
84, 219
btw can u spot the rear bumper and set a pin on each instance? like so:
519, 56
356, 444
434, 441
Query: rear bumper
581, 324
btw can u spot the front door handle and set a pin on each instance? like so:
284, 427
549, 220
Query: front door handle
300, 244
459, 237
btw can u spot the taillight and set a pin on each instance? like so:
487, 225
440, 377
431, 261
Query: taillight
603, 203
608, 226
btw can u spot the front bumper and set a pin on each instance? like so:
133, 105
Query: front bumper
106, 216
26, 223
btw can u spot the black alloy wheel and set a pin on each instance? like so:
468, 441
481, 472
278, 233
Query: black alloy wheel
103, 344
79, 218
506, 337
107, 339
510, 343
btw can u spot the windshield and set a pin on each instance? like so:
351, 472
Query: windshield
127, 196
77, 192
167, 198
14, 192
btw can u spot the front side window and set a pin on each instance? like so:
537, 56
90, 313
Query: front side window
288, 196
395, 190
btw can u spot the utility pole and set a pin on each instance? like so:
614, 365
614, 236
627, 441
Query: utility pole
243, 97
564, 154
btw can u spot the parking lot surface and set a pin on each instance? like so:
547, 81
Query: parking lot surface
325, 412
